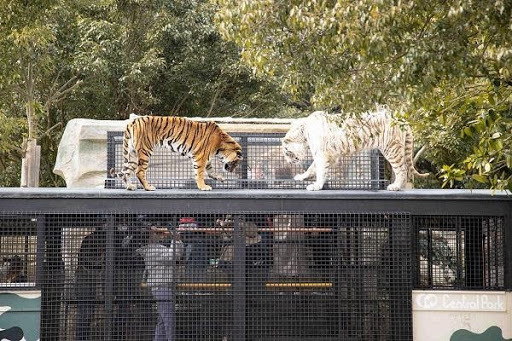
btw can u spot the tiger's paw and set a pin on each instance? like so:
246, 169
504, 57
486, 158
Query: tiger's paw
206, 188
220, 178
393, 187
131, 187
299, 177
150, 188
314, 187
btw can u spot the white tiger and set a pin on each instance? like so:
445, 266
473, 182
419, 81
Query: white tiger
331, 136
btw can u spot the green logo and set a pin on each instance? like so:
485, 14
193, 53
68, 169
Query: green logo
492, 334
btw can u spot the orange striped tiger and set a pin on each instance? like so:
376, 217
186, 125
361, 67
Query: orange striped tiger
331, 136
200, 141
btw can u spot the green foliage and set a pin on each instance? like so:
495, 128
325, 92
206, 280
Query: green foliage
490, 162
11, 129
29, 87
446, 65
163, 57
203, 76
443, 63
105, 59
118, 54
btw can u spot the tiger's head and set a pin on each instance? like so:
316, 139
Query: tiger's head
294, 144
230, 153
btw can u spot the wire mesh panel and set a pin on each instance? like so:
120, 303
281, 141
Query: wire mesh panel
18, 249
19, 274
374, 277
264, 166
223, 276
460, 252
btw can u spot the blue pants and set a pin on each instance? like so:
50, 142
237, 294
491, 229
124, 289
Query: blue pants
164, 330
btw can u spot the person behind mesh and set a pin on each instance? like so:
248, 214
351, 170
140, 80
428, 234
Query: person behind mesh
89, 277
11, 270
128, 274
257, 262
160, 263
196, 249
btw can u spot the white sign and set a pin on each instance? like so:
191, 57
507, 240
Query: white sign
459, 301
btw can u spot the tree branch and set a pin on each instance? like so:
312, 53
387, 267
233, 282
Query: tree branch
62, 92
177, 107
49, 130
54, 85
220, 89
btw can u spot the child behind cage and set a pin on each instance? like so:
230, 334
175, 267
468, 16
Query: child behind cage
11, 270
160, 269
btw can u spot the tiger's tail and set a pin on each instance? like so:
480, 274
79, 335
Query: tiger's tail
409, 159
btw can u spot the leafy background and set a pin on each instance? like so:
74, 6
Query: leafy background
444, 66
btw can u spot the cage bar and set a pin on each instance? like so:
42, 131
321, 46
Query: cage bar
225, 276
245, 266
460, 252
263, 167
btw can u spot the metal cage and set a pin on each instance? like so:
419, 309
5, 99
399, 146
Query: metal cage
459, 252
263, 167
227, 276
245, 265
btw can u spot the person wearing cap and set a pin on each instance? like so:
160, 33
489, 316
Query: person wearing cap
257, 259
196, 247
160, 262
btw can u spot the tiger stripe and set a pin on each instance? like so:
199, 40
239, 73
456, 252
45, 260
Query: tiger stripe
198, 140
331, 136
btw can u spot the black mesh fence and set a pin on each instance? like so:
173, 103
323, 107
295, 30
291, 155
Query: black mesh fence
264, 166
460, 252
18, 251
226, 276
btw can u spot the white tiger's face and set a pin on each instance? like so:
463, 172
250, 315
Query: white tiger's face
294, 152
294, 143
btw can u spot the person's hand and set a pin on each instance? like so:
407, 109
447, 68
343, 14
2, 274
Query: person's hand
156, 234
158, 230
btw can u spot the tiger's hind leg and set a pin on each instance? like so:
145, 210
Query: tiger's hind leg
400, 171
142, 168
394, 152
128, 171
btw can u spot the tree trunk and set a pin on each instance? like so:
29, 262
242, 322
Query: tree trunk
31, 161
30, 165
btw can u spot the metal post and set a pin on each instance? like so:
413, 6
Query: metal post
52, 281
244, 164
400, 276
239, 282
41, 225
109, 275
111, 158
340, 277
507, 241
